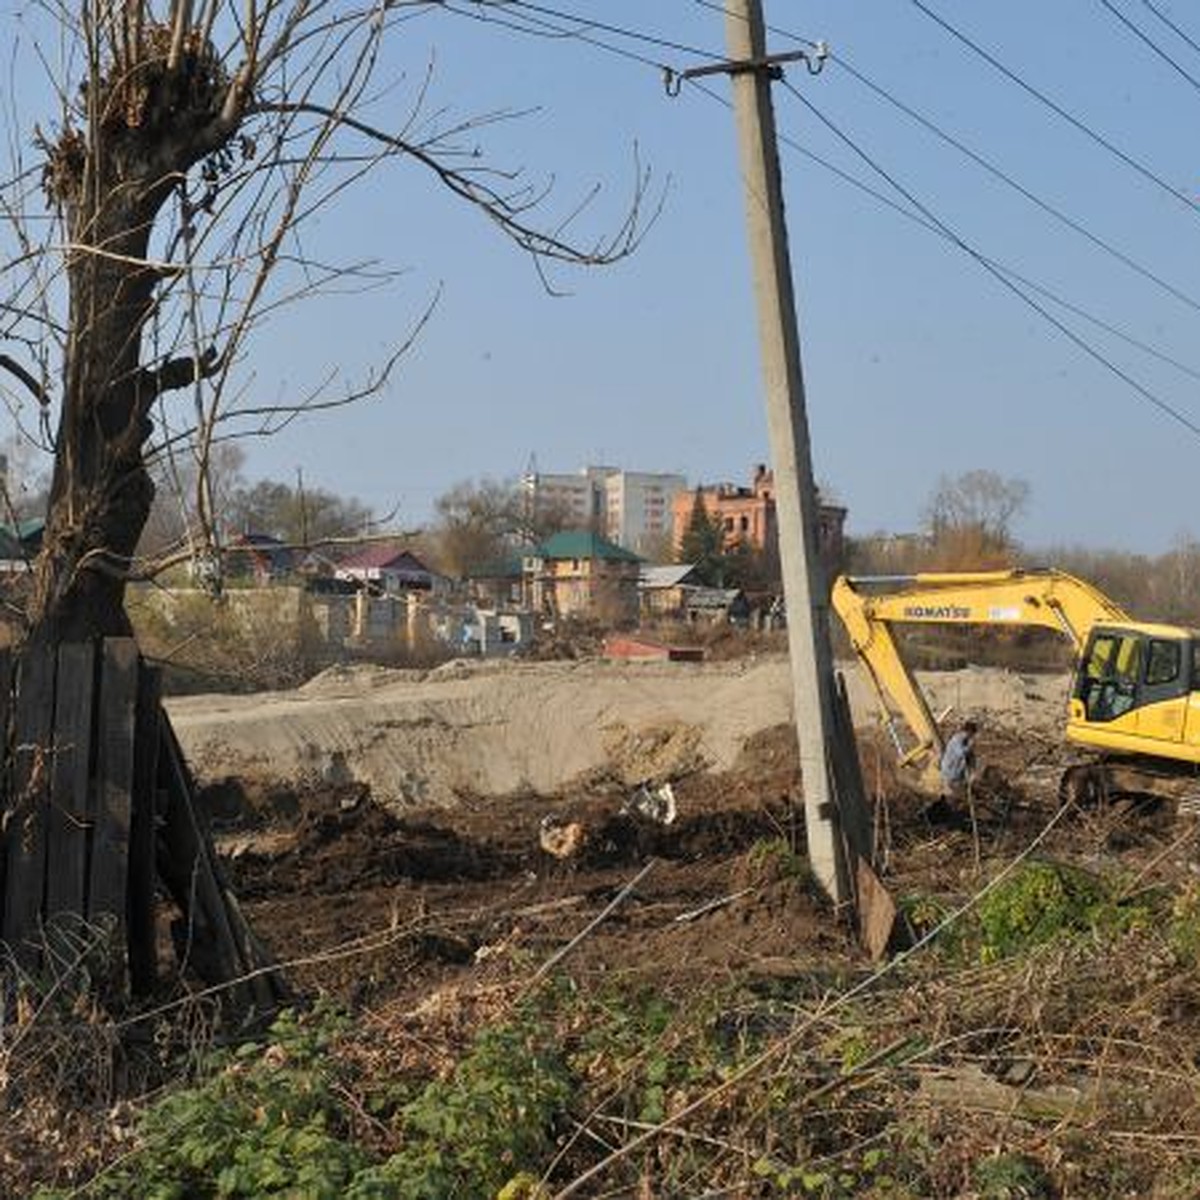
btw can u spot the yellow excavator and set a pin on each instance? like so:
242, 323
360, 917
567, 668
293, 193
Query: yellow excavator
1134, 702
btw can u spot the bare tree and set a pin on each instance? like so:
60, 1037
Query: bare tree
969, 518
161, 224
173, 529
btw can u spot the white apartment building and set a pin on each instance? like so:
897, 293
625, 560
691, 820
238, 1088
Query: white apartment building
631, 508
637, 507
578, 498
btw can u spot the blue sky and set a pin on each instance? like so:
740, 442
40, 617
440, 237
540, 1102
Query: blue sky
918, 362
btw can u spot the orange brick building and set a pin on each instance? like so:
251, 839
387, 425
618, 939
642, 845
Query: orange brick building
747, 516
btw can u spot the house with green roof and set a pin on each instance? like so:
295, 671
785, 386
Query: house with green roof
20, 542
579, 573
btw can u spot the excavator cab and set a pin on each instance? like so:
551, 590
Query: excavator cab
1132, 691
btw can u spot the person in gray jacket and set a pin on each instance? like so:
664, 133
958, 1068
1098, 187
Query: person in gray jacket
958, 762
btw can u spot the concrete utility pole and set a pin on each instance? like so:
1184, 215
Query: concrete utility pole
796, 504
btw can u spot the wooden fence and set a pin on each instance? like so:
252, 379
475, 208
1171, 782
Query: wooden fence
100, 825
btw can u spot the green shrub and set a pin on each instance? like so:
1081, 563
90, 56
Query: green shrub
265, 1123
1011, 1177
1183, 931
274, 1120
471, 1134
1039, 902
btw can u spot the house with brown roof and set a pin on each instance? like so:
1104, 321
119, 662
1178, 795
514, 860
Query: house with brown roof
258, 556
385, 569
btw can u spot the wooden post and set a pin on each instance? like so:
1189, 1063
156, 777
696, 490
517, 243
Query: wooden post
71, 801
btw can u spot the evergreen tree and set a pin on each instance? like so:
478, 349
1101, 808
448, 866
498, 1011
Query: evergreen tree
702, 544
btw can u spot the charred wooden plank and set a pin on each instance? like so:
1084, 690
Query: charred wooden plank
114, 772
71, 815
26, 810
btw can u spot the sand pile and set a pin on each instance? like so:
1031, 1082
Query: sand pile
491, 729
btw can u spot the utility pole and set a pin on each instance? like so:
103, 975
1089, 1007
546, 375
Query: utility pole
303, 507
804, 587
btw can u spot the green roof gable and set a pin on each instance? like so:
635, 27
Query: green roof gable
582, 543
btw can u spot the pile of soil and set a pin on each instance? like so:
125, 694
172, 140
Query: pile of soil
437, 893
443, 889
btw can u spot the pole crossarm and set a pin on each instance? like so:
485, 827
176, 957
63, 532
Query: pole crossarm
770, 64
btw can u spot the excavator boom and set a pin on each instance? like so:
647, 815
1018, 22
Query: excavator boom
870, 607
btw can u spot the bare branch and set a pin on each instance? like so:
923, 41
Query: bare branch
13, 367
505, 211
177, 373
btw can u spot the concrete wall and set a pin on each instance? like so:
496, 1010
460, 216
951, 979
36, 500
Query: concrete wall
317, 628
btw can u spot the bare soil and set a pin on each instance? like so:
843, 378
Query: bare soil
378, 873
461, 887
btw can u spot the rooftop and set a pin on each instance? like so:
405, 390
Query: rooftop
583, 543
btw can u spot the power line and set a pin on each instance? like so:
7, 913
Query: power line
617, 30
930, 226
542, 18
1080, 342
1057, 213
714, 6
1064, 218
1074, 121
1171, 25
533, 26
1144, 37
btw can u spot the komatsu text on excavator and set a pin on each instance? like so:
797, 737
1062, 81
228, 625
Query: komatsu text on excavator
1134, 702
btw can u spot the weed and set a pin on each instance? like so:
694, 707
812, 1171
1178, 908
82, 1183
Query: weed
264, 1123
1183, 932
275, 1120
1039, 902
474, 1134
1011, 1177
776, 859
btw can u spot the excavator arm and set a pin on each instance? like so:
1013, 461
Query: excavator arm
870, 608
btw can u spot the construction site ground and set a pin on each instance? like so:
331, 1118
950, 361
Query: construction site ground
372, 801
386, 832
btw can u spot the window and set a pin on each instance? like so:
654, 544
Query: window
1162, 662
1109, 679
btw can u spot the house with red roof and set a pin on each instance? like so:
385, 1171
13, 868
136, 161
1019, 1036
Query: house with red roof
386, 569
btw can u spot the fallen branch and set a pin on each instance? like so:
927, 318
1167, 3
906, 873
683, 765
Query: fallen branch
612, 905
720, 902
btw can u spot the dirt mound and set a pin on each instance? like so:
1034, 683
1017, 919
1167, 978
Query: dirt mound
421, 739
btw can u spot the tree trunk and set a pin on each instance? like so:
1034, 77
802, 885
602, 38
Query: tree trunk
149, 121
101, 492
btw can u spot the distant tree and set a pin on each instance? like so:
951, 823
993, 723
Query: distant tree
750, 568
477, 523
26, 486
297, 515
657, 547
174, 524
548, 518
969, 519
480, 522
702, 544
1182, 574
